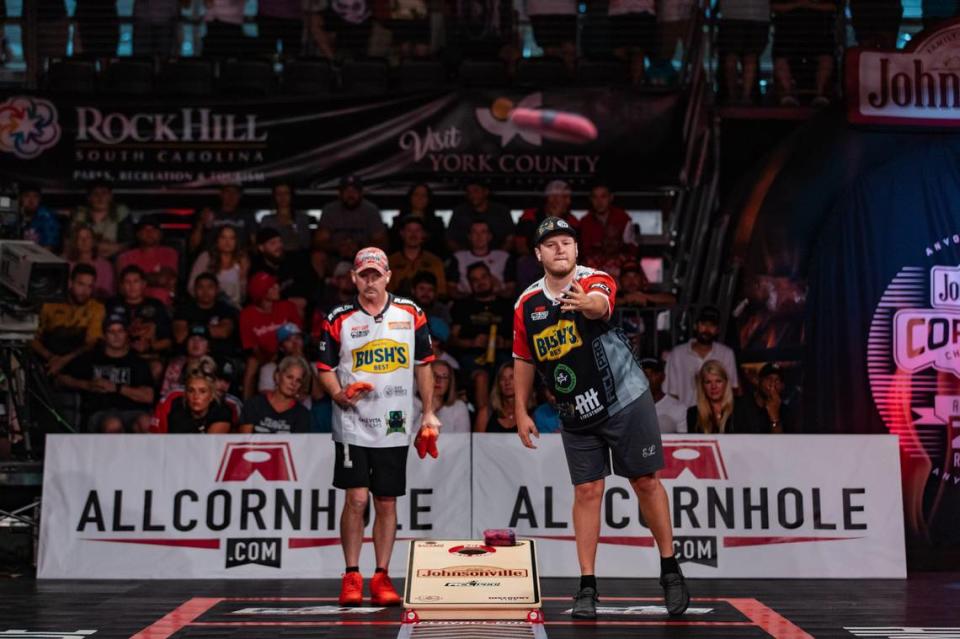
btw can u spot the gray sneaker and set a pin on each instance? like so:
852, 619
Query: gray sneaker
585, 604
676, 597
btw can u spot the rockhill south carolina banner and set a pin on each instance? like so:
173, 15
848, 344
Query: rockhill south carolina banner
437, 138
182, 506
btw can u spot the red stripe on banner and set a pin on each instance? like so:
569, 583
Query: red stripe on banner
174, 621
315, 542
209, 544
773, 623
739, 542
646, 542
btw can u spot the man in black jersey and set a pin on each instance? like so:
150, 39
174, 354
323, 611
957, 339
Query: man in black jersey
561, 329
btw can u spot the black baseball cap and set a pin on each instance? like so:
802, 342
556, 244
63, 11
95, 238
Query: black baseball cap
115, 318
266, 234
199, 330
553, 226
771, 368
652, 363
351, 180
709, 314
148, 219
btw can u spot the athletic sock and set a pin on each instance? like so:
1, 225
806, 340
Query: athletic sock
353, 569
383, 570
668, 565
588, 581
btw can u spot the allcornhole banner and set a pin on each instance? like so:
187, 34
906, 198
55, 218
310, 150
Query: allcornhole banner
203, 507
742, 506
185, 506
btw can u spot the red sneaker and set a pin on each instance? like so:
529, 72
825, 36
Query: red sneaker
351, 589
382, 592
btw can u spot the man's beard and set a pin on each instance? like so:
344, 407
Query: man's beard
556, 272
706, 338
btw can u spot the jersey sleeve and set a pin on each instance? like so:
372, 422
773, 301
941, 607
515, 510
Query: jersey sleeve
600, 283
521, 350
422, 348
329, 343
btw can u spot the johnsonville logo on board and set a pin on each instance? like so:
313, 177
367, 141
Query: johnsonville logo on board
918, 86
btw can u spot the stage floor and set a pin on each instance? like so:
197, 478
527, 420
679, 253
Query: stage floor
923, 606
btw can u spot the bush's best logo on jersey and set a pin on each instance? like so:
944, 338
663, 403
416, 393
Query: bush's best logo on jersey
381, 356
557, 341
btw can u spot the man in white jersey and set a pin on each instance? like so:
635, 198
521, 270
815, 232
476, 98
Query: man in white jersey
382, 340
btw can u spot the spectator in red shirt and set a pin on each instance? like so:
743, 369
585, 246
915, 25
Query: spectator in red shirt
159, 263
612, 253
259, 322
601, 217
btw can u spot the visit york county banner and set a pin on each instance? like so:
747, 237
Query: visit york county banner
439, 137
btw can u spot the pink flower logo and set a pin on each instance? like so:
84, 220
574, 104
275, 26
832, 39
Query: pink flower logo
28, 126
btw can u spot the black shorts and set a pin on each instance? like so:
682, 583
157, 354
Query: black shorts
804, 34
382, 470
742, 37
632, 437
553, 30
633, 31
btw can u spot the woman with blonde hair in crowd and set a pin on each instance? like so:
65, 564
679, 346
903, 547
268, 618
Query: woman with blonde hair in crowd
197, 407
713, 412
81, 248
228, 261
501, 408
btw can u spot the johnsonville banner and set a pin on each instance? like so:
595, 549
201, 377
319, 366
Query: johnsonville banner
919, 86
436, 138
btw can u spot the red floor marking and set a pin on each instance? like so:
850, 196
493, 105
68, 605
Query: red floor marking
571, 622
695, 600
177, 618
760, 616
775, 624
279, 599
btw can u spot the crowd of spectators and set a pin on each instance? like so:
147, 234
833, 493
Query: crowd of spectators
215, 330
806, 35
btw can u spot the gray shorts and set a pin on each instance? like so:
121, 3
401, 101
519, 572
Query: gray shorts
632, 436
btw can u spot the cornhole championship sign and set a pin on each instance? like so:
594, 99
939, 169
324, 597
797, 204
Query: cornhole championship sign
918, 86
913, 364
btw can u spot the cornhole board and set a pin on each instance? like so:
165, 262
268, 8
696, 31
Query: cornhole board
465, 579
